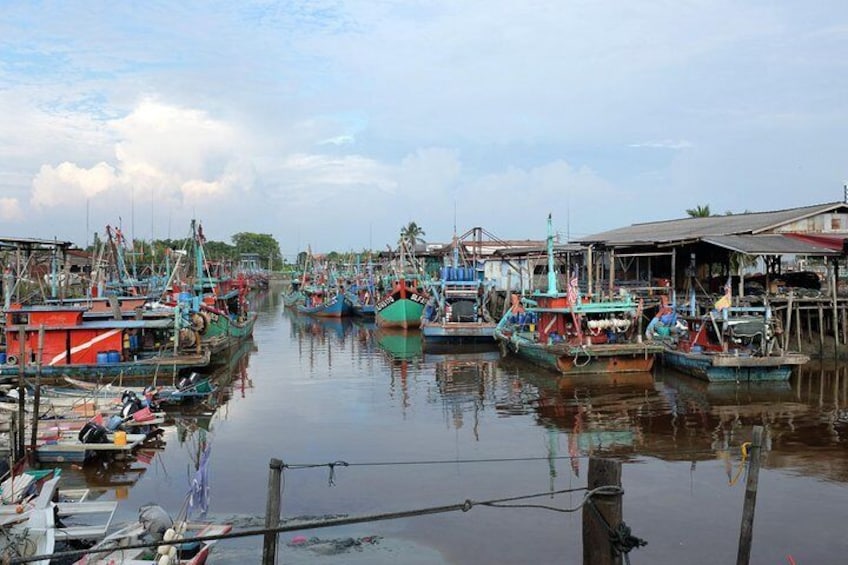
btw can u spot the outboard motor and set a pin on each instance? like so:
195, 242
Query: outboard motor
149, 400
92, 432
131, 404
189, 381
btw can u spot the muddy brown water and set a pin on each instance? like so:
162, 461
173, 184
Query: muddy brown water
423, 428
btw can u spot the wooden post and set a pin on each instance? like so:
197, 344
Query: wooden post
835, 314
37, 396
597, 549
798, 324
746, 532
821, 330
272, 512
788, 328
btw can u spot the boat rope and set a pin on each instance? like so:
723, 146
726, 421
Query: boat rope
463, 506
577, 356
622, 540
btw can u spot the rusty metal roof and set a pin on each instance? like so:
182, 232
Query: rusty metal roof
768, 244
693, 229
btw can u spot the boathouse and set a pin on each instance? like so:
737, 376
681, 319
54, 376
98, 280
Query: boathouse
790, 258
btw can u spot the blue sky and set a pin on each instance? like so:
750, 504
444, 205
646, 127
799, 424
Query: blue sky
332, 124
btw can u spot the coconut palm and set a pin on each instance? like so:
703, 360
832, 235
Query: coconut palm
699, 211
411, 234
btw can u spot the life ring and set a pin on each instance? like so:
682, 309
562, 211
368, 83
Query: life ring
11, 360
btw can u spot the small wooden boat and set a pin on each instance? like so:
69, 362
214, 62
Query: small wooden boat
67, 447
111, 549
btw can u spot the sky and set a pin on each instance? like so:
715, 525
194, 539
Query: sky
332, 124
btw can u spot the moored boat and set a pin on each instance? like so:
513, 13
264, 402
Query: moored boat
562, 332
727, 344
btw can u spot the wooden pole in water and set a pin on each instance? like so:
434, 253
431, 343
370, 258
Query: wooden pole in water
597, 549
821, 330
37, 395
743, 557
835, 314
798, 324
787, 330
272, 512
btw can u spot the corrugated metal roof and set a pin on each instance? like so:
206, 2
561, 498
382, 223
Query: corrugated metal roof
768, 244
696, 228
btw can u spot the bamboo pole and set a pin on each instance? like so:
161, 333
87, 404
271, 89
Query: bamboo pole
798, 324
821, 330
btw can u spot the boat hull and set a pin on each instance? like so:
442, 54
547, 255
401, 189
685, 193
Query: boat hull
398, 313
587, 360
335, 308
717, 368
458, 332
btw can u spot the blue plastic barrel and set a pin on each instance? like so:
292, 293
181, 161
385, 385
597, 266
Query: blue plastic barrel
444, 275
102, 357
2, 357
113, 356
133, 342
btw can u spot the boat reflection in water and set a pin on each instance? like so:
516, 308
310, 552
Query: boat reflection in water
466, 379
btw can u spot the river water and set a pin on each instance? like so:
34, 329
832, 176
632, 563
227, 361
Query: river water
421, 428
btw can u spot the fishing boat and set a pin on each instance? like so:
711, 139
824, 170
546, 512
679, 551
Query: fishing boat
727, 344
565, 333
214, 303
31, 525
112, 549
457, 311
324, 302
402, 304
58, 340
293, 295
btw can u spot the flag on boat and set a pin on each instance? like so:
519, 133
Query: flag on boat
724, 302
573, 293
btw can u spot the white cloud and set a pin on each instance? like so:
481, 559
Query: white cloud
66, 183
665, 144
10, 209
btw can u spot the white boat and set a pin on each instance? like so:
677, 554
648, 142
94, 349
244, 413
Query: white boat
29, 527
192, 553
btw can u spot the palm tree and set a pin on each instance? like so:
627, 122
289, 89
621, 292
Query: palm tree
699, 211
411, 234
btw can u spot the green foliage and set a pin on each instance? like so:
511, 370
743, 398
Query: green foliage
262, 244
411, 234
699, 211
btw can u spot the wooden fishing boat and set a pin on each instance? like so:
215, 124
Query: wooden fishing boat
112, 548
562, 332
457, 311
322, 303
71, 345
66, 447
733, 344
402, 305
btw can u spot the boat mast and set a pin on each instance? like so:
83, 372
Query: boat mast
552, 279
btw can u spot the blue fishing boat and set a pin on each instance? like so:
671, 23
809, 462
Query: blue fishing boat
323, 303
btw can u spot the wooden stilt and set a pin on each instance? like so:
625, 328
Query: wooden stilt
743, 556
